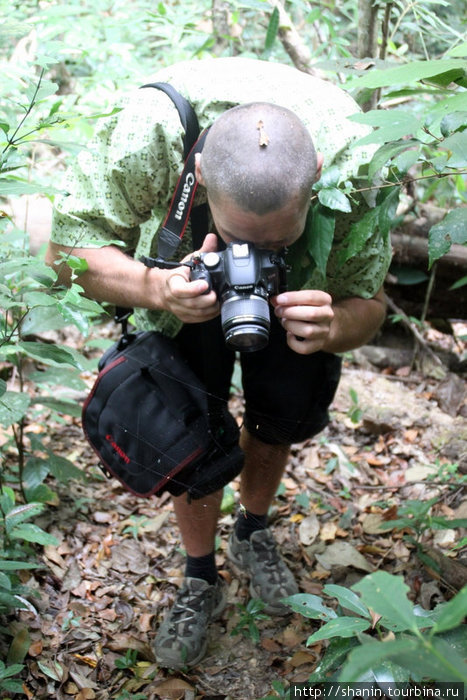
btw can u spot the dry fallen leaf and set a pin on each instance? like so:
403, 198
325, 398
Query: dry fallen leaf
308, 529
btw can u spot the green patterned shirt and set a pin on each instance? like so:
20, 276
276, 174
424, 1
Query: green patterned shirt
121, 185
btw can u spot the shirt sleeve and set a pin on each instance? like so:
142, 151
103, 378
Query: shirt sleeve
130, 168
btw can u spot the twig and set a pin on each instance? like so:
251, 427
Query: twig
292, 41
429, 289
414, 330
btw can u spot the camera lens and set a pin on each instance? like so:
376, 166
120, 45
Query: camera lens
245, 322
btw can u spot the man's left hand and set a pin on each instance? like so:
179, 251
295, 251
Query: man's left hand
306, 315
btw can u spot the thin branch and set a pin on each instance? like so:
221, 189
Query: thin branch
11, 140
292, 41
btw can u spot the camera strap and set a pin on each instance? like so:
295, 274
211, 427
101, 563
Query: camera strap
181, 207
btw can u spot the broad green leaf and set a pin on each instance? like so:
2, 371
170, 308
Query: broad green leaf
408, 73
7, 671
35, 472
10, 187
460, 283
320, 235
52, 669
452, 122
2, 387
21, 514
7, 499
371, 655
273, 28
43, 494
379, 219
404, 161
13, 407
347, 599
310, 606
59, 376
5, 581
63, 469
456, 146
387, 596
460, 50
10, 601
440, 523
333, 198
38, 299
19, 646
68, 408
390, 673
438, 661
32, 533
340, 627
336, 652
452, 613
49, 354
73, 315
40, 319
452, 229
389, 151
392, 125
10, 565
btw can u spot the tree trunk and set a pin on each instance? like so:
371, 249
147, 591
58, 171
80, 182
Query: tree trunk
220, 25
367, 29
367, 39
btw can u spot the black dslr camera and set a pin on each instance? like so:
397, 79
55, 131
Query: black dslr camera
243, 277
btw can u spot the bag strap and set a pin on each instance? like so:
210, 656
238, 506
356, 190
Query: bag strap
186, 112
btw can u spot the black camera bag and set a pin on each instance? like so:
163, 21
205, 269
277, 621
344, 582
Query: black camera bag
148, 421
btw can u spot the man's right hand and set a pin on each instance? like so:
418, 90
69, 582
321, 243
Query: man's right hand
188, 299
114, 277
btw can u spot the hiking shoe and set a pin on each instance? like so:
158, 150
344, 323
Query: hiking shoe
270, 578
181, 639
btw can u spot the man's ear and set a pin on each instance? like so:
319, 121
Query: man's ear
319, 165
198, 172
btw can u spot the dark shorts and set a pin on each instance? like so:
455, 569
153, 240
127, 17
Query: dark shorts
287, 395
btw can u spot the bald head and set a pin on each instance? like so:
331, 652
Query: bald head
260, 156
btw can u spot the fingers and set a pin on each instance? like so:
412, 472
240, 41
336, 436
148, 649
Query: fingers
188, 300
306, 316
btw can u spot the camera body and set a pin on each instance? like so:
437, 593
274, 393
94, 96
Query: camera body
243, 277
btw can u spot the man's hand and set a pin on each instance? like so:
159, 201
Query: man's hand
188, 300
306, 316
314, 322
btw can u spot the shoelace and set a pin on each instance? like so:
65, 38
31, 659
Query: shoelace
182, 612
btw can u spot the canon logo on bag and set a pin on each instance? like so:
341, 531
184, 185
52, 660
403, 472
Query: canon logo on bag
118, 449
187, 187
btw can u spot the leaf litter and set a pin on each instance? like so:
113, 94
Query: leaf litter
114, 573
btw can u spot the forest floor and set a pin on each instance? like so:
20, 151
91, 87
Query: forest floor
396, 436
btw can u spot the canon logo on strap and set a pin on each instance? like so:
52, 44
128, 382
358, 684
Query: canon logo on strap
187, 187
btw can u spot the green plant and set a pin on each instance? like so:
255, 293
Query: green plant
355, 410
376, 627
16, 534
127, 661
250, 615
416, 517
137, 522
8, 684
